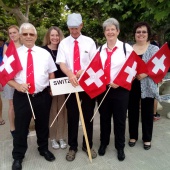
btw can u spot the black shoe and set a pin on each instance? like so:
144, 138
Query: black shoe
47, 155
17, 165
120, 154
146, 147
132, 144
102, 150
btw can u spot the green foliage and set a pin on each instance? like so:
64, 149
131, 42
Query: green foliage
54, 12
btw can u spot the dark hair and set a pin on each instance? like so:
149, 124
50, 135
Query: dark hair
140, 24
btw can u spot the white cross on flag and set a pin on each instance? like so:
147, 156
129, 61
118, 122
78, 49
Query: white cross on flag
93, 80
133, 65
159, 64
10, 64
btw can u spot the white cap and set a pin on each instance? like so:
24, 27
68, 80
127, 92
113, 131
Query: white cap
74, 20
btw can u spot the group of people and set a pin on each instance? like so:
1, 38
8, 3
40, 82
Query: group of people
60, 57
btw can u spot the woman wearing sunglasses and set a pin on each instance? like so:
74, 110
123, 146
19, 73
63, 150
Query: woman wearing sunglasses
143, 91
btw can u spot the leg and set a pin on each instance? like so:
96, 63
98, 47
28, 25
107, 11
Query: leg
105, 120
147, 105
1, 120
41, 106
73, 120
88, 105
22, 120
133, 110
11, 115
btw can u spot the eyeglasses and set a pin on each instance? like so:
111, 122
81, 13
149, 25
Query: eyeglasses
143, 32
30, 34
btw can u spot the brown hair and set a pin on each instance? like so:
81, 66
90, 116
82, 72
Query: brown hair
46, 40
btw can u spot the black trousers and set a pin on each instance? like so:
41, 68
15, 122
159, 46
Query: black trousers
147, 106
41, 105
87, 105
115, 103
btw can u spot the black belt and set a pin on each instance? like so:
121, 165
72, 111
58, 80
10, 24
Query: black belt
39, 93
34, 94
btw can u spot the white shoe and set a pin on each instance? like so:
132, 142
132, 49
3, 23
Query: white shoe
63, 144
54, 144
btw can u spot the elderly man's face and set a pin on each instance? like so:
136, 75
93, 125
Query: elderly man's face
75, 32
28, 37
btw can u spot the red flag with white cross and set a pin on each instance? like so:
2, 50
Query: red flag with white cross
134, 65
10, 64
159, 64
93, 79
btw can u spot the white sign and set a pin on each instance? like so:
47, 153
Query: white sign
63, 86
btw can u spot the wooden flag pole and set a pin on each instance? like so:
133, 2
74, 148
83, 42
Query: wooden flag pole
31, 106
60, 110
99, 105
83, 125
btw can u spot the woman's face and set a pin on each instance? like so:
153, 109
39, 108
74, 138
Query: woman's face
13, 34
111, 33
54, 37
141, 34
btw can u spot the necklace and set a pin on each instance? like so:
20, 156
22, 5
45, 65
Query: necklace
53, 53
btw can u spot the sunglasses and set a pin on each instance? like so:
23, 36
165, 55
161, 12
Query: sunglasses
143, 32
30, 34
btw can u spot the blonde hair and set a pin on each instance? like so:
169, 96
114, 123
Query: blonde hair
46, 40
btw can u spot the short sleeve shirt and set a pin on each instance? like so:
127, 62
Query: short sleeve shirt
43, 65
87, 50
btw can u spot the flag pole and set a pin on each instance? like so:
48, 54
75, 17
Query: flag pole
30, 105
100, 104
60, 110
83, 125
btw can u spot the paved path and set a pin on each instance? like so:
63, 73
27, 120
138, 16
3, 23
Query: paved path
157, 158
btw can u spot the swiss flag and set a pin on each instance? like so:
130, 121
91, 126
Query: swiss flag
159, 64
93, 79
133, 65
10, 64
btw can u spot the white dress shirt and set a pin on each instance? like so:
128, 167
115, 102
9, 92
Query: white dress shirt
118, 58
43, 65
87, 50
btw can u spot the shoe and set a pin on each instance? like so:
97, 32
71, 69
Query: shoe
71, 155
102, 150
93, 152
17, 165
63, 144
120, 154
55, 144
146, 147
48, 155
132, 144
156, 116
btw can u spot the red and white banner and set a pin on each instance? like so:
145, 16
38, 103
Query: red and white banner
10, 64
133, 65
159, 64
93, 79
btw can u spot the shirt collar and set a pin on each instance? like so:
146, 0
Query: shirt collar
78, 39
26, 49
116, 45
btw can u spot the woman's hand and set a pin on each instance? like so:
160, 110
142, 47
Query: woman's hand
141, 76
113, 85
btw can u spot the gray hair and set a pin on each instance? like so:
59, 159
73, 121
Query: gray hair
109, 22
27, 26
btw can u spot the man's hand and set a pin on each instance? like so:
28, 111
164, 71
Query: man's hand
73, 80
79, 73
22, 87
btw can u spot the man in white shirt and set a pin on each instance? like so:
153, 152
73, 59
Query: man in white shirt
65, 57
43, 68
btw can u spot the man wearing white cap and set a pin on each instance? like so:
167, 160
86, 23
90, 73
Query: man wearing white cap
74, 54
